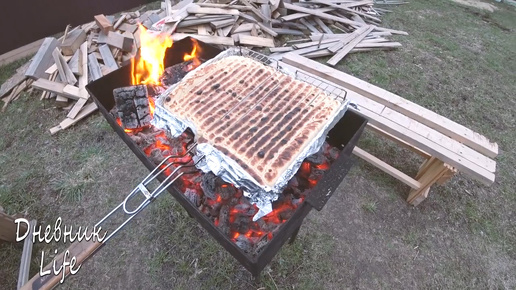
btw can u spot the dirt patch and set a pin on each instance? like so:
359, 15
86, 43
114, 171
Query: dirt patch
477, 4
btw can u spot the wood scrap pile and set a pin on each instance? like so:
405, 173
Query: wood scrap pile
325, 27
315, 28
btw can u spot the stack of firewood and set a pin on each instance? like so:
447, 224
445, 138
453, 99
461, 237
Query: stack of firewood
316, 28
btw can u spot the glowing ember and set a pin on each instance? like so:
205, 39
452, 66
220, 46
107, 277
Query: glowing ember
119, 122
149, 68
225, 204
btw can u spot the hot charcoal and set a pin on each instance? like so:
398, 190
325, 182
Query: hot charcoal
225, 204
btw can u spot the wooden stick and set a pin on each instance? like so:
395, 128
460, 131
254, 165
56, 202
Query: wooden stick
342, 53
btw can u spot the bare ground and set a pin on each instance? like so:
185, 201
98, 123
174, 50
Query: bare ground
457, 61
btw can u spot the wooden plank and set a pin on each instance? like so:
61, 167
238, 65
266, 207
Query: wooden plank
399, 141
108, 58
314, 43
347, 10
205, 38
256, 11
309, 26
124, 42
73, 41
261, 25
83, 81
348, 47
20, 52
386, 168
14, 80
68, 122
42, 60
438, 150
425, 116
256, 41
434, 171
222, 23
344, 35
323, 26
321, 14
203, 20
73, 63
119, 22
103, 23
128, 27
8, 227
194, 9
26, 258
265, 9
16, 90
63, 68
94, 68
284, 31
294, 16
439, 138
281, 49
385, 45
81, 250
57, 88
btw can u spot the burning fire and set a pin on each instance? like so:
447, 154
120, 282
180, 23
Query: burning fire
149, 68
193, 56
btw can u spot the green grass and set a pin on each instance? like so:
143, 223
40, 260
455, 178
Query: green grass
370, 206
457, 61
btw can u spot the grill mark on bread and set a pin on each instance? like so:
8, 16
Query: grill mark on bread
250, 127
237, 126
216, 99
263, 122
298, 138
204, 86
248, 94
268, 115
262, 134
272, 150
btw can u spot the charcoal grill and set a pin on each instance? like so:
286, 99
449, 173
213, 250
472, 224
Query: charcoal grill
344, 136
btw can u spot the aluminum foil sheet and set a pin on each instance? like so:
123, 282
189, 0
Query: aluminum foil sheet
225, 167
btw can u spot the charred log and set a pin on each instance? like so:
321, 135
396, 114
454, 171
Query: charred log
132, 106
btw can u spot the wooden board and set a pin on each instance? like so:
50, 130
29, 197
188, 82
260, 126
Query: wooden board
73, 41
42, 60
103, 23
299, 15
205, 38
348, 47
81, 250
124, 42
94, 68
57, 88
14, 80
64, 71
387, 168
8, 228
107, 56
83, 81
68, 122
194, 9
321, 14
256, 41
427, 117
222, 23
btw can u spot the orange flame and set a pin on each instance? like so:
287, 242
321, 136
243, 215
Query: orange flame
193, 56
149, 68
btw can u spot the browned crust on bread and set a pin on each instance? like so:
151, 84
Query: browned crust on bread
259, 117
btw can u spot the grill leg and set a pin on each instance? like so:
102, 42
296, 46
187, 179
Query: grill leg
294, 236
